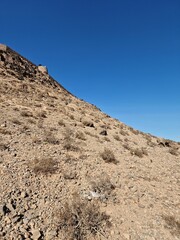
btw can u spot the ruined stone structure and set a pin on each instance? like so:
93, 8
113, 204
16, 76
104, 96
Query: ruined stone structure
21, 68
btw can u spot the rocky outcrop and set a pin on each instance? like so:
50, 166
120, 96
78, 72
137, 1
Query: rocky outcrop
14, 64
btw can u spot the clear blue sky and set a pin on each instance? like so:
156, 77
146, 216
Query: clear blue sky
121, 55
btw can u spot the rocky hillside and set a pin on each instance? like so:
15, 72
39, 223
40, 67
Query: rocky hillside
69, 171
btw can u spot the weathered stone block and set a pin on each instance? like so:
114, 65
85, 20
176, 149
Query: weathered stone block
43, 69
3, 47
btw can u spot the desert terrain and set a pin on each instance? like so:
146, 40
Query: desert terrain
70, 171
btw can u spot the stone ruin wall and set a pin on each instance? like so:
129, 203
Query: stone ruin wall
13, 64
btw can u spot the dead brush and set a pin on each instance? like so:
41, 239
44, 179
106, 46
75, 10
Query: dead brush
61, 123
16, 121
42, 114
117, 138
26, 113
50, 138
102, 185
88, 123
80, 135
81, 220
5, 131
69, 140
139, 152
173, 225
44, 165
108, 156
174, 151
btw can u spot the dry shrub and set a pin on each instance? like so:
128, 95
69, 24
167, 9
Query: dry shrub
173, 225
116, 137
174, 151
92, 134
42, 114
26, 113
3, 146
124, 133
36, 140
31, 121
16, 121
80, 135
61, 123
81, 220
88, 123
102, 185
69, 159
50, 138
44, 165
107, 139
40, 123
71, 117
139, 152
5, 131
136, 132
108, 156
126, 146
69, 140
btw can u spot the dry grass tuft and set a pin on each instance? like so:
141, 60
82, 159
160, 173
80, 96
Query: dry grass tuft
44, 165
108, 156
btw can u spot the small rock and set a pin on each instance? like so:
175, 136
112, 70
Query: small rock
36, 234
23, 194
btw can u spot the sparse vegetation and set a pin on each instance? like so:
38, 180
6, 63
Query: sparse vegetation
126, 146
3, 146
61, 123
5, 131
139, 152
122, 132
173, 225
174, 151
80, 220
69, 142
108, 156
44, 165
50, 138
26, 113
116, 137
102, 185
42, 114
16, 121
88, 123
80, 135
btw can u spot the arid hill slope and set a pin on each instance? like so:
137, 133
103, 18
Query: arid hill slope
69, 171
